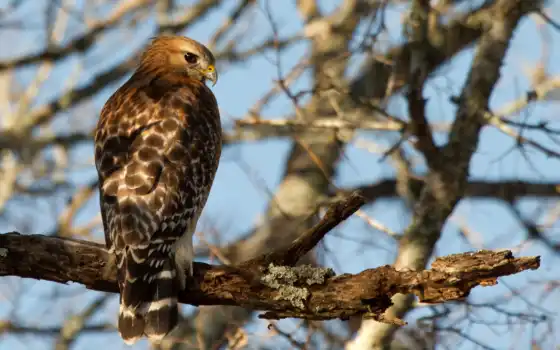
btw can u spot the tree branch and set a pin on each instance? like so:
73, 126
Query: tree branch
420, 45
446, 185
72, 97
79, 44
281, 291
503, 189
337, 213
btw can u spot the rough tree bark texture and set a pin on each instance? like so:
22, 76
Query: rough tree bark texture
282, 291
271, 282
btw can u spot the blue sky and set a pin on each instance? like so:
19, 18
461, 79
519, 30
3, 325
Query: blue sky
237, 200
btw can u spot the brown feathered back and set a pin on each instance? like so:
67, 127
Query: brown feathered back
157, 148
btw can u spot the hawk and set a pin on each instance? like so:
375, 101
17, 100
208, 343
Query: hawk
157, 148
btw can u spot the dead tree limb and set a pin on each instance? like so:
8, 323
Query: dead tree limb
271, 282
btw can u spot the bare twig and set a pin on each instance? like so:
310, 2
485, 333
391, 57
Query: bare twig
321, 124
10, 327
506, 190
76, 324
303, 244
81, 43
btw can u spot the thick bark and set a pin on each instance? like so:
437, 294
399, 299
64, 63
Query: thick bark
272, 282
259, 284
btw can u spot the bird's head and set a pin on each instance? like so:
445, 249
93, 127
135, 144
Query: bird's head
181, 54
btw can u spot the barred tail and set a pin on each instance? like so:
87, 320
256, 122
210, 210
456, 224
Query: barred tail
149, 289
130, 325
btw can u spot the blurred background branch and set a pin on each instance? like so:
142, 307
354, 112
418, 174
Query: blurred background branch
443, 113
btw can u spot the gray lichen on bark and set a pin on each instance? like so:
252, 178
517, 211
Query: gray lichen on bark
291, 282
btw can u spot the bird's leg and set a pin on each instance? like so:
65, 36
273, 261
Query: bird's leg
110, 264
184, 255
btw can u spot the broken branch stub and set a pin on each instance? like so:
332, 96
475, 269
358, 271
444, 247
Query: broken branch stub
336, 213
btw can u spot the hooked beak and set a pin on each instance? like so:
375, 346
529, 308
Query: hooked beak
211, 74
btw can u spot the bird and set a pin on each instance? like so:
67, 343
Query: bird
157, 145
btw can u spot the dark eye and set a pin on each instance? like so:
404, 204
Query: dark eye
191, 58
